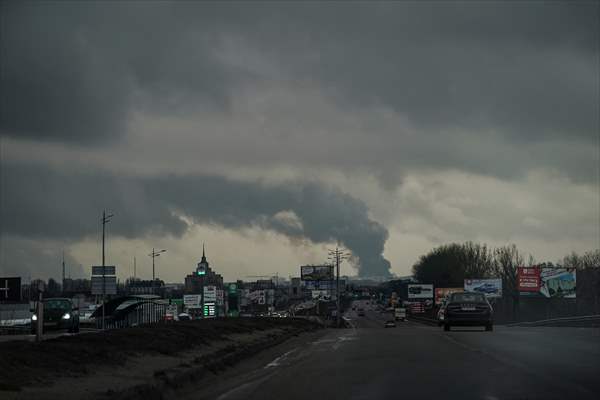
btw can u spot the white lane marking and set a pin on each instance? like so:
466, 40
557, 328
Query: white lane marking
242, 387
277, 362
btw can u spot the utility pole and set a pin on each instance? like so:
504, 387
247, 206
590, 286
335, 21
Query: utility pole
134, 268
63, 270
154, 254
337, 256
105, 220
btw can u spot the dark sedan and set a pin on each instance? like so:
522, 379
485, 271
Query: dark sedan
59, 314
466, 309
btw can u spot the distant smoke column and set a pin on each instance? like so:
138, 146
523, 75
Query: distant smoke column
367, 243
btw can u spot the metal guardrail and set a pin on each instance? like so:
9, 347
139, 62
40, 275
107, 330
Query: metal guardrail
14, 330
585, 320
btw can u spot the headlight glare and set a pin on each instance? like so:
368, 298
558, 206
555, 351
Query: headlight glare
66, 316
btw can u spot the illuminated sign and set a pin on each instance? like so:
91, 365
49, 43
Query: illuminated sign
209, 310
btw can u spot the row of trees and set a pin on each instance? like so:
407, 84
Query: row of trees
449, 265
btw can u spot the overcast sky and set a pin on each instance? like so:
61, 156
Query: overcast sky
272, 131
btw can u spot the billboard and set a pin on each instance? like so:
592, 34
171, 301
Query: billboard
316, 272
257, 297
210, 294
441, 293
10, 289
529, 279
549, 282
192, 300
420, 291
320, 285
492, 288
558, 282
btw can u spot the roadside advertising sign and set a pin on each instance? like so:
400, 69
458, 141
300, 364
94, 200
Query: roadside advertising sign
320, 285
442, 293
171, 312
316, 272
529, 279
491, 288
210, 294
192, 300
549, 282
257, 297
420, 291
558, 282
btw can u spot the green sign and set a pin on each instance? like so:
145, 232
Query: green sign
232, 288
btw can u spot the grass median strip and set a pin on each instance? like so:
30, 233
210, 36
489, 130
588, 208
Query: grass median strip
218, 343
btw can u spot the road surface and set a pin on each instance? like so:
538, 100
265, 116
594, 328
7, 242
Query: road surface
419, 362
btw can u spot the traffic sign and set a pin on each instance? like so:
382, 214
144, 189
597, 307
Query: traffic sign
10, 289
108, 270
106, 285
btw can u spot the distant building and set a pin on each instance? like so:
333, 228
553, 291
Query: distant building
201, 277
73, 286
296, 289
139, 287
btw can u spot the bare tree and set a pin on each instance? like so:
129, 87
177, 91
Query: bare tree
506, 261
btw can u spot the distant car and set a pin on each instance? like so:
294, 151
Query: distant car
59, 314
390, 324
184, 317
486, 288
466, 309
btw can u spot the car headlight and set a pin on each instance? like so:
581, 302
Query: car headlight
34, 317
66, 316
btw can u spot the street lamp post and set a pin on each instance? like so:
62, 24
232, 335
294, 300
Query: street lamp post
155, 254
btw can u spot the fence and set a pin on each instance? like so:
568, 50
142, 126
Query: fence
142, 312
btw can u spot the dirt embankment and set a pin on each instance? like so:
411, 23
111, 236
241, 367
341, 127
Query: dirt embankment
128, 362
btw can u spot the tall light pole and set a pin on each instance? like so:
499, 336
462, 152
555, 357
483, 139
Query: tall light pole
337, 256
105, 220
154, 254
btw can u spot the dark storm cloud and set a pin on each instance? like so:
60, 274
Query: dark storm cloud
44, 203
36, 259
74, 71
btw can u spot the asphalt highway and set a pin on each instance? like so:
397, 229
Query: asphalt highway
419, 362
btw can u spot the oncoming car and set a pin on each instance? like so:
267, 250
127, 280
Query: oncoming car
466, 309
58, 314
390, 324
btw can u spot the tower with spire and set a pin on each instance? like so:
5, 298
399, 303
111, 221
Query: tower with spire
202, 267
